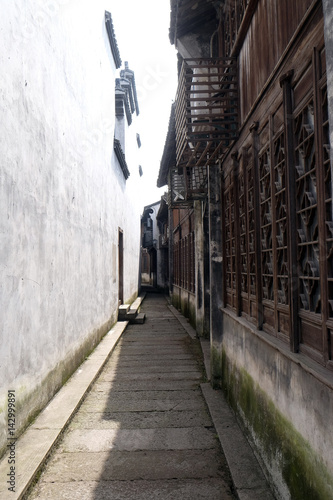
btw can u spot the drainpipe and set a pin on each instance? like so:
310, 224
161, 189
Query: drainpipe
215, 267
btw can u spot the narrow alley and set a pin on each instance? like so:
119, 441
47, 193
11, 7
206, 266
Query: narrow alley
144, 430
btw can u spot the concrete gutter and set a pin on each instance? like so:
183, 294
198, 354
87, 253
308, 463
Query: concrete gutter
36, 443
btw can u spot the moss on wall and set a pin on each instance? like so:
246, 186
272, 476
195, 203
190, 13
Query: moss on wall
185, 303
216, 367
29, 403
132, 298
276, 439
184, 307
175, 301
192, 314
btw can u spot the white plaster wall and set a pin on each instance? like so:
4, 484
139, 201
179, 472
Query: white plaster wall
62, 194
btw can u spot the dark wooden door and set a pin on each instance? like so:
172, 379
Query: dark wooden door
120, 266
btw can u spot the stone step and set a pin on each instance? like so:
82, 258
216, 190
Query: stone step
123, 310
139, 319
129, 312
132, 314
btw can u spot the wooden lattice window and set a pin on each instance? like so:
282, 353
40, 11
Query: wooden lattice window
251, 238
176, 264
191, 262
187, 262
328, 199
243, 207
184, 263
266, 230
278, 213
278, 221
307, 211
281, 237
232, 15
328, 216
280, 208
230, 241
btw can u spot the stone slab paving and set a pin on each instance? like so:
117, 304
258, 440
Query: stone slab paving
142, 432
36, 443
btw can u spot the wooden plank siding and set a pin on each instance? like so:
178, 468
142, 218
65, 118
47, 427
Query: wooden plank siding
184, 249
272, 27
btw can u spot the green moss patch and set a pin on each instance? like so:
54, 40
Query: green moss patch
280, 443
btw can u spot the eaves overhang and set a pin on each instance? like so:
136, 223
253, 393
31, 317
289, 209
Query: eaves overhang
189, 16
112, 39
121, 158
169, 153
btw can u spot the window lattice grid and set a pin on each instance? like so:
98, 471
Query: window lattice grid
176, 264
266, 225
307, 211
281, 220
251, 233
192, 262
234, 13
230, 243
328, 198
184, 263
187, 263
243, 234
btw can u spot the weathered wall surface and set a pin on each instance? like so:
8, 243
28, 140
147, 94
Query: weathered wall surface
184, 301
285, 403
62, 197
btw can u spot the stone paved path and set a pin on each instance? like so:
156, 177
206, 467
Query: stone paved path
143, 431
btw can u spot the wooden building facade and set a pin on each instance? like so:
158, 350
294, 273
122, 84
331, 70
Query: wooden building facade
248, 157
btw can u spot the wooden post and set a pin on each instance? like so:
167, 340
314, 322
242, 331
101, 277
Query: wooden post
254, 131
216, 262
285, 82
199, 267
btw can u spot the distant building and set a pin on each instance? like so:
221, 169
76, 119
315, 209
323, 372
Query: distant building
248, 164
69, 228
154, 246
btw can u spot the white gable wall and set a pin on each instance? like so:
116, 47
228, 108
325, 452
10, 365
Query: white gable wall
63, 196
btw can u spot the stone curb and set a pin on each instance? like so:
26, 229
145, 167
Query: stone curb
247, 475
36, 443
205, 344
184, 322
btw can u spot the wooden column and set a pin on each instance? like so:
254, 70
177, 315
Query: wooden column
199, 267
237, 233
171, 257
255, 141
215, 260
285, 82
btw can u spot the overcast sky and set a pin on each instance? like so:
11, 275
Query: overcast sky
142, 32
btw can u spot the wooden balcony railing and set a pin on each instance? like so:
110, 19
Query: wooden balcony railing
206, 112
206, 118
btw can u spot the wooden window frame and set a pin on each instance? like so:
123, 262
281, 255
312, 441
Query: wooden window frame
245, 177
